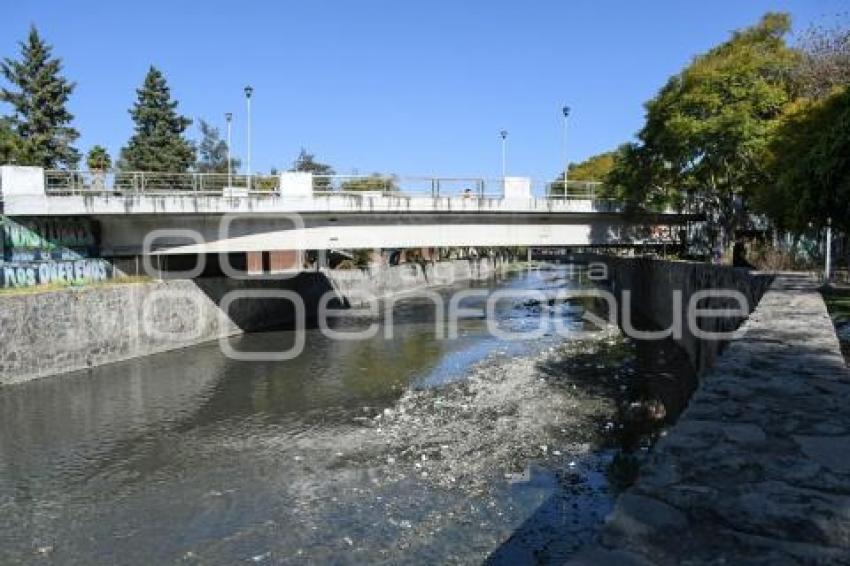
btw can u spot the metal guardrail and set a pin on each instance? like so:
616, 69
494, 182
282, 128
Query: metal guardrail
220, 184
589, 190
373, 185
124, 182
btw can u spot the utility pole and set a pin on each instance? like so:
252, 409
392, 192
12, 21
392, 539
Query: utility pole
228, 116
566, 112
248, 92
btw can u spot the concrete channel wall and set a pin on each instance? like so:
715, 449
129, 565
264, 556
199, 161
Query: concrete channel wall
71, 329
654, 283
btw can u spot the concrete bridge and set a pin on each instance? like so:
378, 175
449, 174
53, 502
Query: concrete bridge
191, 213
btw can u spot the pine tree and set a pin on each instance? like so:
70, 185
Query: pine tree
10, 144
158, 143
40, 120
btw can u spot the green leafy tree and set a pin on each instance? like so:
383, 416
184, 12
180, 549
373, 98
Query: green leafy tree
594, 168
98, 159
39, 96
212, 151
307, 162
809, 163
157, 143
707, 130
374, 182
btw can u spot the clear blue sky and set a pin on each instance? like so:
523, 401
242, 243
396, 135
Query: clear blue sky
393, 86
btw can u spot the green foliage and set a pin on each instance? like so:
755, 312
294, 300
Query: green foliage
157, 143
809, 166
594, 168
40, 119
708, 128
212, 151
374, 182
306, 162
10, 143
98, 159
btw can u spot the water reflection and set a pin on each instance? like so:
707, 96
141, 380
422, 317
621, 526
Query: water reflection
188, 455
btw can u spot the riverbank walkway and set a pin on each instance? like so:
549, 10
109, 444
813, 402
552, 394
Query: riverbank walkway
757, 469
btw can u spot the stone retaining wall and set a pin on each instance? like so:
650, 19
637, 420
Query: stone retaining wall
60, 331
757, 468
653, 282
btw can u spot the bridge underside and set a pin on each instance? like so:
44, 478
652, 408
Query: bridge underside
203, 234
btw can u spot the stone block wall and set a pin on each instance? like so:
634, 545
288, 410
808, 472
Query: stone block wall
652, 283
72, 329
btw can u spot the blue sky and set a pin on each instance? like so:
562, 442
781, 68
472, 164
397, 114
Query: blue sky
406, 87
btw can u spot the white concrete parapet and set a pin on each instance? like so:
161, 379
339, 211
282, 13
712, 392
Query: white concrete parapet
22, 187
21, 180
517, 188
296, 183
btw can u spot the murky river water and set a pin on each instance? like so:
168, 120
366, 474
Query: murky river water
403, 450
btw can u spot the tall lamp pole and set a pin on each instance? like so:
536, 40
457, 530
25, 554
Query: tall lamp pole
228, 116
566, 111
504, 134
249, 90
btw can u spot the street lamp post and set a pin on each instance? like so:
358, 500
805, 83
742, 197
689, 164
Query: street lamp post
504, 134
566, 111
228, 116
249, 90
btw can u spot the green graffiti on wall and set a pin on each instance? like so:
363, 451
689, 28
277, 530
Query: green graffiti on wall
47, 235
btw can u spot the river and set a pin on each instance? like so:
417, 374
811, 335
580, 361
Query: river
408, 449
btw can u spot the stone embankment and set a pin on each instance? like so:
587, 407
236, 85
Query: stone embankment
757, 468
652, 284
71, 329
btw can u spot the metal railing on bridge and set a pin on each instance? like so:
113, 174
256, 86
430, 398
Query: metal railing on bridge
61, 182
122, 182
391, 185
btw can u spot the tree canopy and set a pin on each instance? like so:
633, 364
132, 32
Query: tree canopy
594, 168
707, 130
157, 143
9, 142
212, 151
39, 97
825, 61
809, 166
306, 162
98, 159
